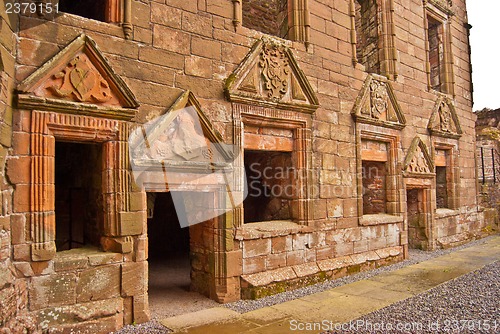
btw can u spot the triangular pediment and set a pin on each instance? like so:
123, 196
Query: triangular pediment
270, 76
183, 136
376, 104
444, 120
79, 77
418, 161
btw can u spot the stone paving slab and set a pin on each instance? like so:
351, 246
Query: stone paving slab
343, 303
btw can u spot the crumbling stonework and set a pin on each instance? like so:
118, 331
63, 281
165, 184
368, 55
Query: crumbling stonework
488, 155
74, 90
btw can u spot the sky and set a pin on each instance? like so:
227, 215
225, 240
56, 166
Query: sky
485, 44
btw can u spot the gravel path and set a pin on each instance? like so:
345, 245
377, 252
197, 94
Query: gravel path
467, 304
243, 306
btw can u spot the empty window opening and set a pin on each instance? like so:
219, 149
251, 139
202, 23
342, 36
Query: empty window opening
267, 16
435, 40
78, 195
92, 9
417, 237
367, 37
271, 186
374, 187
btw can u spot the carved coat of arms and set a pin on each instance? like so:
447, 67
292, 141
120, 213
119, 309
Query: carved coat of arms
275, 70
80, 81
378, 98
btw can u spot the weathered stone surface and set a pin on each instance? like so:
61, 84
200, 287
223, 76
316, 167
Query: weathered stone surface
81, 312
256, 247
179, 44
98, 283
133, 276
337, 263
131, 223
52, 290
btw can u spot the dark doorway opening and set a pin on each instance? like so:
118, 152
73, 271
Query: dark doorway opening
169, 261
417, 235
78, 195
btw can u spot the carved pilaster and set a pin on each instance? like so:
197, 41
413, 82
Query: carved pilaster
42, 189
352, 15
237, 14
127, 19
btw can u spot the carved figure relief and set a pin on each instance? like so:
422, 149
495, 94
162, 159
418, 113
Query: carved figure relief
80, 81
444, 121
418, 164
275, 70
378, 98
445, 117
417, 160
182, 140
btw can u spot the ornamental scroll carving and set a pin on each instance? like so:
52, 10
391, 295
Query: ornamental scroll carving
378, 98
80, 81
275, 70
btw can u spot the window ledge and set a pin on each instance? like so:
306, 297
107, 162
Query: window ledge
268, 229
379, 219
441, 213
80, 258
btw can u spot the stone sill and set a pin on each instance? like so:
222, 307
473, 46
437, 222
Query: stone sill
269, 229
80, 258
442, 213
379, 219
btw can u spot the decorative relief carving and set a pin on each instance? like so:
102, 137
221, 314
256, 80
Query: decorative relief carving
418, 164
270, 76
376, 104
182, 139
444, 117
81, 81
444, 120
78, 80
275, 70
378, 98
183, 133
418, 160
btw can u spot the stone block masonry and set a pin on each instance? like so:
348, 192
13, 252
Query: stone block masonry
323, 88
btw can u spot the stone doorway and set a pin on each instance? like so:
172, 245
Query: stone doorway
170, 261
417, 209
78, 195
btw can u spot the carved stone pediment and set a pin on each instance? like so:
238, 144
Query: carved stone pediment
270, 76
183, 137
376, 104
444, 120
443, 5
78, 79
418, 162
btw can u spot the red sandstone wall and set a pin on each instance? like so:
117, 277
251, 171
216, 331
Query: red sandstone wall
180, 45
